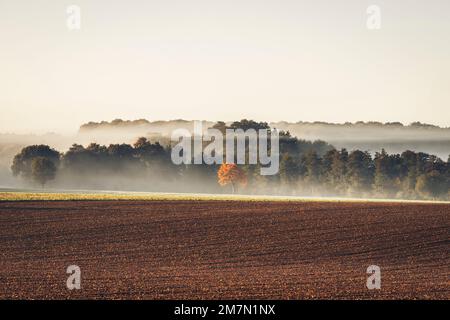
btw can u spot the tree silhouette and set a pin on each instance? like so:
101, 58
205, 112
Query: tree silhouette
432, 185
360, 171
22, 163
42, 170
289, 170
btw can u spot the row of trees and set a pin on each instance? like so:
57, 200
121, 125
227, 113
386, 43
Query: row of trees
306, 168
410, 175
119, 123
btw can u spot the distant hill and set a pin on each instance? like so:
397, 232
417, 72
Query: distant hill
395, 137
141, 126
158, 126
373, 136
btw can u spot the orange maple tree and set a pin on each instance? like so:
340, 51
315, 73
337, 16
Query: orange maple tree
231, 174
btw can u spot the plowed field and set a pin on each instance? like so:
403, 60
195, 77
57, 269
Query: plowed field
224, 249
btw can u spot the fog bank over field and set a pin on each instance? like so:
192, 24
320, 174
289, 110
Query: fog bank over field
371, 136
107, 156
12, 144
394, 137
374, 136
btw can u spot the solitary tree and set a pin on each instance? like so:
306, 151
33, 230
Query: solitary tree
231, 174
22, 163
42, 170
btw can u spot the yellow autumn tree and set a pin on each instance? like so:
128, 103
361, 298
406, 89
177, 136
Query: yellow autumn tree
231, 174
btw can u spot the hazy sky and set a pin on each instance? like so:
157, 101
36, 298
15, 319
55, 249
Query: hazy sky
222, 60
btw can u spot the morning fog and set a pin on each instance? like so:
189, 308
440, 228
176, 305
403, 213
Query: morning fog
207, 147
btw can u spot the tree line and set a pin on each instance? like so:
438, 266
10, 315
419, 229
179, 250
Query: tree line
410, 175
306, 168
119, 123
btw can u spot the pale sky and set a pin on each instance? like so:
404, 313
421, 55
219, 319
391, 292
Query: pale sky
267, 60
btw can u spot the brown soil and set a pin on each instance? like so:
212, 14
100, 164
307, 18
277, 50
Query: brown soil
224, 250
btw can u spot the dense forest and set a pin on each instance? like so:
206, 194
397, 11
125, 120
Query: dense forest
306, 169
